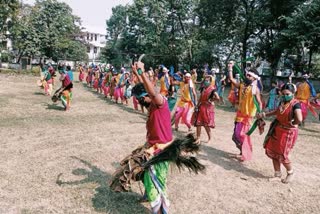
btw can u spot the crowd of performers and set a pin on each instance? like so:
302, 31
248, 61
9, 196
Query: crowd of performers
172, 98
47, 82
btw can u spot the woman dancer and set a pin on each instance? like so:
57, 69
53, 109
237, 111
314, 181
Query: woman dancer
283, 132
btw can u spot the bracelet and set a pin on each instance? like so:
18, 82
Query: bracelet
139, 71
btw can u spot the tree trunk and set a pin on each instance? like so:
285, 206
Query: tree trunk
244, 52
310, 58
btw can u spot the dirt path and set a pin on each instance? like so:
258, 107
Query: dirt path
59, 162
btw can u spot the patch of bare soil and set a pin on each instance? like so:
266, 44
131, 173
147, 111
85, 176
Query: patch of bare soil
60, 162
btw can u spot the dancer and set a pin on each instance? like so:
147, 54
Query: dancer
233, 96
52, 72
47, 82
204, 113
107, 82
65, 91
221, 84
304, 92
273, 100
135, 101
249, 102
70, 73
114, 82
186, 103
81, 73
283, 132
100, 80
150, 163
119, 90
164, 82
127, 87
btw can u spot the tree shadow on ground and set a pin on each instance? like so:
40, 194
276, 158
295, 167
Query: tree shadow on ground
54, 107
226, 161
39, 93
309, 130
310, 135
105, 200
110, 102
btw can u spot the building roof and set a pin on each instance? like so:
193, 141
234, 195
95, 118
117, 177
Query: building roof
93, 29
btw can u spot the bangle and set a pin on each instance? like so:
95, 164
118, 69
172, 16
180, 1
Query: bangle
139, 71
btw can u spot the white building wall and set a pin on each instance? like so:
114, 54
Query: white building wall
95, 41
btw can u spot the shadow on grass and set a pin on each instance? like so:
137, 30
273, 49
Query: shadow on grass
55, 107
39, 93
104, 199
225, 160
309, 130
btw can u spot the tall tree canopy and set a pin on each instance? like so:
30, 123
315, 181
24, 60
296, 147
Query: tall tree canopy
187, 32
48, 29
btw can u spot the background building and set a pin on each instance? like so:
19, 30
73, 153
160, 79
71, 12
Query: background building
95, 40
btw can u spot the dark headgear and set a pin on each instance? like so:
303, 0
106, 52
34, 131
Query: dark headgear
289, 86
139, 91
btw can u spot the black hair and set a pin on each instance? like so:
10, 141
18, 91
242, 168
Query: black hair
68, 67
138, 89
289, 86
60, 68
253, 70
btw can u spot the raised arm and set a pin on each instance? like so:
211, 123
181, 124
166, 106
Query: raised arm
231, 78
258, 96
156, 98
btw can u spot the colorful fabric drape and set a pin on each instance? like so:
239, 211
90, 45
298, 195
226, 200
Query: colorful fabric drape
155, 185
282, 135
204, 116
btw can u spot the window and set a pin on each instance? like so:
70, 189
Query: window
95, 37
95, 49
88, 36
88, 49
91, 37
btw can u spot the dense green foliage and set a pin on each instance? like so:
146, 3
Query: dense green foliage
188, 32
48, 30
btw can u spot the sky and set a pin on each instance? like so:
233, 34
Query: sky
93, 13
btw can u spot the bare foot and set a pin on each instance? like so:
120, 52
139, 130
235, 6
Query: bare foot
209, 140
288, 179
277, 177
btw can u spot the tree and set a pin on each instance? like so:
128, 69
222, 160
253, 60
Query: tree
48, 29
8, 12
24, 37
304, 27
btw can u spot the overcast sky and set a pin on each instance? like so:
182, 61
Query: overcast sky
93, 13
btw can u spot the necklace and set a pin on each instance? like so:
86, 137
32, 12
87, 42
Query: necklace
284, 107
245, 90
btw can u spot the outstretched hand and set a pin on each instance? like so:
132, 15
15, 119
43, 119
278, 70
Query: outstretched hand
134, 69
260, 115
230, 65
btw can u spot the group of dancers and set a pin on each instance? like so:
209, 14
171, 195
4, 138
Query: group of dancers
173, 98
47, 82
